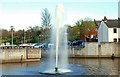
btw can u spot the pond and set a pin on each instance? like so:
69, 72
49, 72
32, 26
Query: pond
83, 67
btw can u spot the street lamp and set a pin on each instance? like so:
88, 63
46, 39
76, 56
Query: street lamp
41, 36
24, 36
12, 29
78, 35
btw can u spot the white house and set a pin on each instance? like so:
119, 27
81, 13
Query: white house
109, 30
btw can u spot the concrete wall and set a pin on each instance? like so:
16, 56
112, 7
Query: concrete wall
107, 49
93, 50
90, 50
33, 53
13, 54
20, 54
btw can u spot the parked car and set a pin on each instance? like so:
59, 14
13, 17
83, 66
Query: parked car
69, 43
33, 44
25, 44
44, 45
38, 45
50, 45
78, 43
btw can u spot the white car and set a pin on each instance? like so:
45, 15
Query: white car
50, 45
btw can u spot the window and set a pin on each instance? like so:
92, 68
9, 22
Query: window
115, 39
114, 30
119, 40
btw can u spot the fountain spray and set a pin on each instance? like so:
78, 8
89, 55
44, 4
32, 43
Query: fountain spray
59, 12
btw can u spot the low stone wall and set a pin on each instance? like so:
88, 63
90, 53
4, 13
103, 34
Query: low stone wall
90, 50
108, 49
93, 50
20, 54
33, 53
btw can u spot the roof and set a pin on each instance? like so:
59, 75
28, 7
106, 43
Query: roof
110, 23
97, 23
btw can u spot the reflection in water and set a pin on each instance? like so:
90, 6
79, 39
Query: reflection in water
98, 66
92, 66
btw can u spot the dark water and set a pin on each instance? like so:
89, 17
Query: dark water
81, 67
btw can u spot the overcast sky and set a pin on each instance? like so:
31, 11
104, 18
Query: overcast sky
24, 13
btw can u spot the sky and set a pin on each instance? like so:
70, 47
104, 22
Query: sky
24, 13
119, 9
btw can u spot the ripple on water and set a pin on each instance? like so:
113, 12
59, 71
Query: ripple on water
71, 70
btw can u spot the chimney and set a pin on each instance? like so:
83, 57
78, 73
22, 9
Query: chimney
105, 19
118, 18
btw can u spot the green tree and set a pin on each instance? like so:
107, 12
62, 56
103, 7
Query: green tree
46, 25
84, 27
18, 36
46, 19
80, 29
32, 34
73, 33
5, 35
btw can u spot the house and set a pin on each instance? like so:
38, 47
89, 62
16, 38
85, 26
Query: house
108, 30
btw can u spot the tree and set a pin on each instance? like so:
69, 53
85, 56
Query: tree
18, 36
46, 19
85, 27
5, 35
32, 34
73, 33
46, 24
78, 23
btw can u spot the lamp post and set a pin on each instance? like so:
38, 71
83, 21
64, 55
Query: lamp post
79, 35
24, 36
12, 29
41, 36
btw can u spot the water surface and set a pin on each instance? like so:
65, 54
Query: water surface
91, 67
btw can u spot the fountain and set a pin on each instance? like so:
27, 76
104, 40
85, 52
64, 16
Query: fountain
59, 12
58, 53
